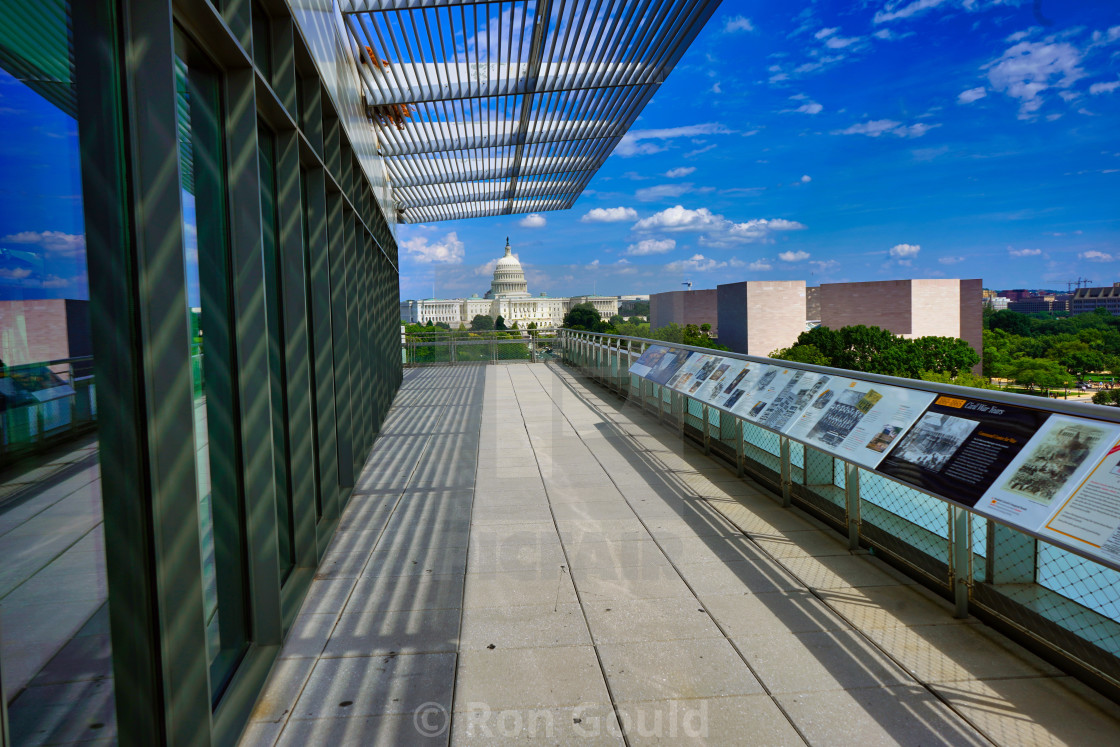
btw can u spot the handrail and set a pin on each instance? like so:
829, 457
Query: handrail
1080, 409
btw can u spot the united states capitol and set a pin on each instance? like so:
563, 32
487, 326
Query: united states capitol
508, 298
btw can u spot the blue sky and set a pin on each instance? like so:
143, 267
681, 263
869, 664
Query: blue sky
851, 141
42, 235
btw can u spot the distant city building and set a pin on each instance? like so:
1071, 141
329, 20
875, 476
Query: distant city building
812, 304
628, 305
683, 308
44, 330
1045, 303
909, 308
1087, 299
508, 298
998, 303
757, 317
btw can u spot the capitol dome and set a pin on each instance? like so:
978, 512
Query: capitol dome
509, 278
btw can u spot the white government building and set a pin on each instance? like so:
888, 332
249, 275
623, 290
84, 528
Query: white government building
508, 298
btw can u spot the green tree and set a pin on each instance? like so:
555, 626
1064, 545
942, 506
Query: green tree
584, 316
1040, 372
444, 326
430, 323
964, 378
616, 320
1110, 397
949, 355
802, 354
482, 323
500, 323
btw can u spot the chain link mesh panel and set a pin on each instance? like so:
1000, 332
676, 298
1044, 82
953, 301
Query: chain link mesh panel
909, 524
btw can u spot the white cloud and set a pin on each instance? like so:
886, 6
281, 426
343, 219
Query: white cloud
877, 127
904, 251
950, 260
719, 231
55, 242
609, 215
449, 251
805, 178
825, 33
760, 265
533, 220
1095, 256
1098, 88
679, 218
840, 42
893, 12
680, 171
1028, 69
737, 23
824, 265
695, 263
637, 142
698, 151
651, 246
661, 191
797, 256
972, 94
14, 273
1024, 252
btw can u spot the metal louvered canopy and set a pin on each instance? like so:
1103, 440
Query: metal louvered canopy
496, 108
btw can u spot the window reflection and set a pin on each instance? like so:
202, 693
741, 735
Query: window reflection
54, 631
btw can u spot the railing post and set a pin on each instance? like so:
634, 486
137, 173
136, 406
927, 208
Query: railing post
787, 471
851, 500
739, 467
707, 429
960, 568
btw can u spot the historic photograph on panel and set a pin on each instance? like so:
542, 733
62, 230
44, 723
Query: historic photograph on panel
843, 416
934, 439
1058, 455
884, 438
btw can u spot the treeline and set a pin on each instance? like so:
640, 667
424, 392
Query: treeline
876, 350
1078, 345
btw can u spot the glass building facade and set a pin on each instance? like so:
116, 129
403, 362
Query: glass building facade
198, 342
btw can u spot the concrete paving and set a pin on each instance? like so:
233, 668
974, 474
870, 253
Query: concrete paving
526, 558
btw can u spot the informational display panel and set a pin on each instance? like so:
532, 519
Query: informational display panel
659, 363
960, 446
1053, 475
1090, 517
858, 421
1048, 470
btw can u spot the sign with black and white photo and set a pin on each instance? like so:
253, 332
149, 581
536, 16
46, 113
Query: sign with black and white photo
960, 446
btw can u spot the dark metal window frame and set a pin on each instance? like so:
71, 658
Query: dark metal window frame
337, 298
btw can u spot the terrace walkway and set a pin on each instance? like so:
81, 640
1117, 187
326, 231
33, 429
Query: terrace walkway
525, 557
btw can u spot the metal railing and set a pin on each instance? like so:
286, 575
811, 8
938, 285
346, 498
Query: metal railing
1063, 605
42, 403
453, 347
